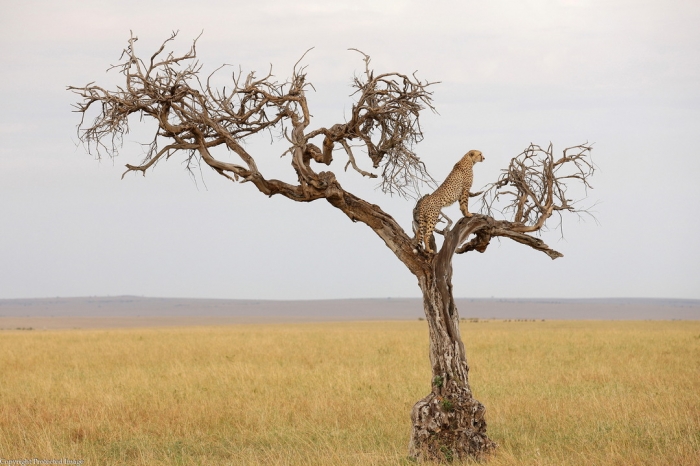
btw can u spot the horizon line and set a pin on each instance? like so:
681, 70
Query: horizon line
491, 298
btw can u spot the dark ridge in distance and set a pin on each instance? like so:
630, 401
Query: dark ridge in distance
351, 309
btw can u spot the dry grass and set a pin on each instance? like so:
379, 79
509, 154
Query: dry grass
557, 393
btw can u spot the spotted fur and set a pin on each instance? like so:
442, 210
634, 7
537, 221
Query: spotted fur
455, 188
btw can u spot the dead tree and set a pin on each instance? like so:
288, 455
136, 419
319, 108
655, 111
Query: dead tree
193, 117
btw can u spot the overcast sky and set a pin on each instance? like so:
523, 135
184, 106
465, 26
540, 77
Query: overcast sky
624, 75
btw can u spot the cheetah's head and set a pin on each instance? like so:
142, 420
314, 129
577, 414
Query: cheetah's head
475, 156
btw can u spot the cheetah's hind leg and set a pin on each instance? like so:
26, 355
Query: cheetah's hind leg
428, 236
429, 242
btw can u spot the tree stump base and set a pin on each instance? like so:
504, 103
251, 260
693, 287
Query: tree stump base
449, 425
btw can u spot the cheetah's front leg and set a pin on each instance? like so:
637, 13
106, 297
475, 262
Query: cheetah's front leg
464, 204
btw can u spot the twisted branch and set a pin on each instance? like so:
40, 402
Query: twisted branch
535, 185
192, 114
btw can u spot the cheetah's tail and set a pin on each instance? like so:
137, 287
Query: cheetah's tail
416, 223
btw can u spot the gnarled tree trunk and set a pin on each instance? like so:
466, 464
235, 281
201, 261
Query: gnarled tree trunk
448, 423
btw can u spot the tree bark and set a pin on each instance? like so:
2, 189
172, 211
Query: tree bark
448, 424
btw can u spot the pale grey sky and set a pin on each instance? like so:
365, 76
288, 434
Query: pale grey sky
624, 75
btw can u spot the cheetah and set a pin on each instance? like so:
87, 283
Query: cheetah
455, 188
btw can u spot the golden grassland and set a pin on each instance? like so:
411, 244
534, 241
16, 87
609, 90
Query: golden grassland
556, 392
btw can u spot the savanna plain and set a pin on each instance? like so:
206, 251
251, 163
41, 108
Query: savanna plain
556, 392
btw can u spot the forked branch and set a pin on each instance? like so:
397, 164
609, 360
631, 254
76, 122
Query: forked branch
535, 185
385, 118
193, 117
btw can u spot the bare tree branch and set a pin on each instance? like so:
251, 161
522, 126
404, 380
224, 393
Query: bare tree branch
385, 118
351, 160
193, 117
535, 185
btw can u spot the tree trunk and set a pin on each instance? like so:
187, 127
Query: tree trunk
448, 424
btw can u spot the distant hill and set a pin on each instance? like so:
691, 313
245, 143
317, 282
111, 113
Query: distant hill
348, 309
